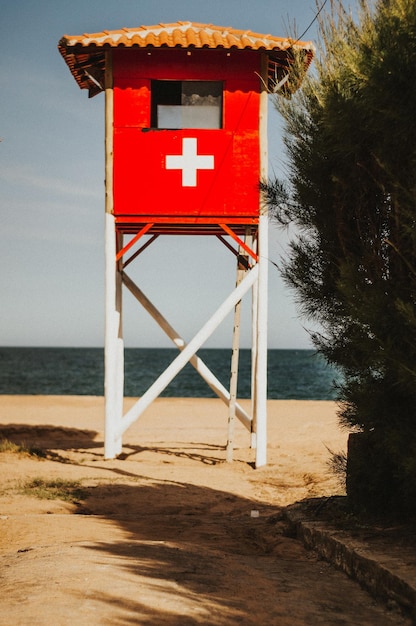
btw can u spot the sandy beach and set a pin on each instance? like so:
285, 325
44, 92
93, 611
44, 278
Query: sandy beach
194, 431
169, 533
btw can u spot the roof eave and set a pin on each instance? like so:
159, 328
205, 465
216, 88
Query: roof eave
87, 62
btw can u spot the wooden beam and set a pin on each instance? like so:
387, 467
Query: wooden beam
114, 348
235, 355
240, 242
131, 243
140, 250
262, 290
182, 359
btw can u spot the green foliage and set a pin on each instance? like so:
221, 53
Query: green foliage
351, 143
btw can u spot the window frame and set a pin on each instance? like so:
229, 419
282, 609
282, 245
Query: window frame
170, 93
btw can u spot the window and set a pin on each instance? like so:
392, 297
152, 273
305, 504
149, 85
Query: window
186, 104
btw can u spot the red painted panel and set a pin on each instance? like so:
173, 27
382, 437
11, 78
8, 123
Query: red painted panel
132, 105
144, 183
241, 109
177, 64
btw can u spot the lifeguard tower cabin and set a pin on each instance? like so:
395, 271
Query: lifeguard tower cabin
186, 149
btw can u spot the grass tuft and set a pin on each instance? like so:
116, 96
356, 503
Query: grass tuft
21, 449
58, 489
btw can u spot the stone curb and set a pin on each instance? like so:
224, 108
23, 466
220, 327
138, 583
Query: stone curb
383, 577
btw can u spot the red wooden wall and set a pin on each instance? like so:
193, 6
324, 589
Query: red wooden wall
143, 186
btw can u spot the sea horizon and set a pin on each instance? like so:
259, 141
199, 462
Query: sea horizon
293, 373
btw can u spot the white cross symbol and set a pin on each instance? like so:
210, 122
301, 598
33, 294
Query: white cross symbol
189, 162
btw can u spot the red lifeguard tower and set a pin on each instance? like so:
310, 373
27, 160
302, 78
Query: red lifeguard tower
186, 148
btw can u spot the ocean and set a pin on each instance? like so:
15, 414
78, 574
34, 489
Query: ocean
292, 374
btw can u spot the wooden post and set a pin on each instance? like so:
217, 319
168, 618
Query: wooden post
114, 347
254, 300
234, 367
261, 361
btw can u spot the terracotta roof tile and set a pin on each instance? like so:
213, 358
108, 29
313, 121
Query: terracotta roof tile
184, 34
78, 49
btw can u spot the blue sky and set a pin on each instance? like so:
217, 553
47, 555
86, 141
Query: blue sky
52, 189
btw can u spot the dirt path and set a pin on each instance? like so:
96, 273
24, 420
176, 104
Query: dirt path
165, 535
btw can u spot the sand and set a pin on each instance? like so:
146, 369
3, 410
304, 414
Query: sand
169, 533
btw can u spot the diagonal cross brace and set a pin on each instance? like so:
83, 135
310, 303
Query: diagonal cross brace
187, 351
202, 369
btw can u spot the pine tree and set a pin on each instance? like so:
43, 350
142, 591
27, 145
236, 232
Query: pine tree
350, 136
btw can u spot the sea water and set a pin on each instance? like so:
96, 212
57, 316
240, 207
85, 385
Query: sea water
292, 374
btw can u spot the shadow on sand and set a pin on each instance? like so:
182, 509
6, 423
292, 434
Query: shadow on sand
186, 554
184, 543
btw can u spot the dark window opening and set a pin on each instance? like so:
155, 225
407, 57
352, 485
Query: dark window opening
186, 104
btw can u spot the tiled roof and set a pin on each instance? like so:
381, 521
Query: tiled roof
84, 54
182, 35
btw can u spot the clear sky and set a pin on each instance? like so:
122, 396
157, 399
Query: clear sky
52, 189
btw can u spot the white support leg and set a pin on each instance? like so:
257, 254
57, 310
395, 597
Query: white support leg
261, 359
254, 301
114, 348
261, 322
